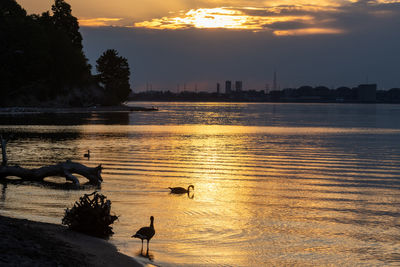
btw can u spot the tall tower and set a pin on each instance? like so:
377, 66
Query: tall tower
228, 87
275, 84
239, 86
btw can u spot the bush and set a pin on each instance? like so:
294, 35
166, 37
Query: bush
91, 216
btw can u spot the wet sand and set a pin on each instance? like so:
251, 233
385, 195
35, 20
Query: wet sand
29, 243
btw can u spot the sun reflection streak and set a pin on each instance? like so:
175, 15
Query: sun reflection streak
217, 202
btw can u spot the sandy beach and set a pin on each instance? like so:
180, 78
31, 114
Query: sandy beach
29, 243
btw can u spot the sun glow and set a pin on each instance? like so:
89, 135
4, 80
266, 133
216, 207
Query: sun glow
215, 18
245, 18
228, 18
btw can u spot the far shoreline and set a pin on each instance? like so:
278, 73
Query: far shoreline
254, 101
61, 110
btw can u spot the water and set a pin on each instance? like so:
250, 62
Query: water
275, 184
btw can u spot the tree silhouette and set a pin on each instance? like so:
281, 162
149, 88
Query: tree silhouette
64, 21
113, 76
41, 56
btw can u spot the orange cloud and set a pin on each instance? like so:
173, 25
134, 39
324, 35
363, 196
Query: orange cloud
247, 18
98, 22
308, 31
228, 18
280, 17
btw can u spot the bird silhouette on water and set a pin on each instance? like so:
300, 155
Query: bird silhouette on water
146, 233
180, 190
87, 155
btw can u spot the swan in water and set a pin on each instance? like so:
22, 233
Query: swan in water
146, 233
180, 190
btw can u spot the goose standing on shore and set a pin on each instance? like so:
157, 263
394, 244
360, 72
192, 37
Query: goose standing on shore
146, 233
180, 190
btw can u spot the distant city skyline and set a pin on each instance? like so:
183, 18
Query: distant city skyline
332, 43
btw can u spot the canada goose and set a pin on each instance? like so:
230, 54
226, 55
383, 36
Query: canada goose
87, 155
180, 190
146, 233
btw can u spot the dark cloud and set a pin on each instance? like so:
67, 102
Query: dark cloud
285, 10
287, 25
256, 12
369, 47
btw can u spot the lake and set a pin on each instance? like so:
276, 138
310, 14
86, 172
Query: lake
275, 184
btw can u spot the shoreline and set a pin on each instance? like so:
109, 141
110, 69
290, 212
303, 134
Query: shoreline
257, 101
61, 110
31, 243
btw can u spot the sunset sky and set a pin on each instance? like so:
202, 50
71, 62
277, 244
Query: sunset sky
332, 42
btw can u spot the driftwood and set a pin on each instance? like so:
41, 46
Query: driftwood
91, 215
63, 169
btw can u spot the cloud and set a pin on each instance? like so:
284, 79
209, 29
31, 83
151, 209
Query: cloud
170, 57
329, 44
290, 19
307, 31
285, 25
100, 22
255, 19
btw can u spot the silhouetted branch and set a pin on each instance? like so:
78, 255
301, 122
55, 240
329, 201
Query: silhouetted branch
63, 169
91, 215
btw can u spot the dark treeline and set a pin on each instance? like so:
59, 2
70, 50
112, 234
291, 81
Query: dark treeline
340, 94
42, 61
319, 94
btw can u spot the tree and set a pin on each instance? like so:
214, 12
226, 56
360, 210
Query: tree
114, 76
64, 21
41, 55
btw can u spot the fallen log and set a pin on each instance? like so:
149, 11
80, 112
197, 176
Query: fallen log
63, 169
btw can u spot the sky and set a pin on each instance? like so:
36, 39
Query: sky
193, 44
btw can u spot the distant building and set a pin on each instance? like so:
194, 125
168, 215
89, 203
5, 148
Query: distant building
228, 87
366, 93
239, 86
218, 88
267, 88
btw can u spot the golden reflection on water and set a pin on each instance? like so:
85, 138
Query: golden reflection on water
263, 195
201, 129
224, 201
